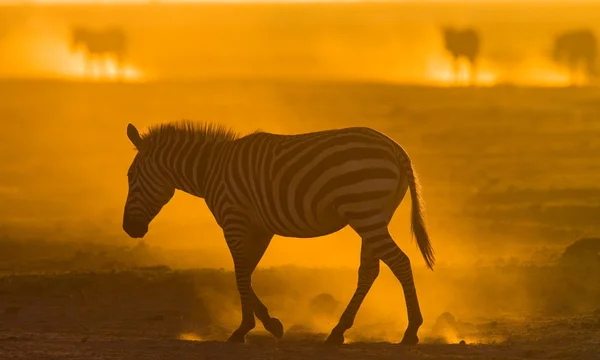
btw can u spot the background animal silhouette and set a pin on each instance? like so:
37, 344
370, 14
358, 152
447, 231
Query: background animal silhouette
100, 44
463, 44
576, 48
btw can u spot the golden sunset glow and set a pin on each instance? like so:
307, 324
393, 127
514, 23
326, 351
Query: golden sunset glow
41, 49
440, 72
189, 337
120, 236
64, 63
76, 67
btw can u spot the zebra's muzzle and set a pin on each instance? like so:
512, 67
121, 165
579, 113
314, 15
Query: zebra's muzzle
135, 228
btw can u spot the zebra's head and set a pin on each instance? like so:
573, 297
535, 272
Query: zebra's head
149, 189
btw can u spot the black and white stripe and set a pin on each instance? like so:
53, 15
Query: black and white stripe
303, 186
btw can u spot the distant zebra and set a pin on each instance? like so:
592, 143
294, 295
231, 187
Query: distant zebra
302, 186
462, 44
100, 44
574, 48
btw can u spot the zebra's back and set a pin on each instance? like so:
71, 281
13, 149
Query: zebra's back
305, 185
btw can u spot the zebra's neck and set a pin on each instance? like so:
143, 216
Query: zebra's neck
187, 165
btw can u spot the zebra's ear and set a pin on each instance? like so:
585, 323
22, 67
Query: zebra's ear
134, 136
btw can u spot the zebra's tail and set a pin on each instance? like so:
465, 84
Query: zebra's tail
419, 228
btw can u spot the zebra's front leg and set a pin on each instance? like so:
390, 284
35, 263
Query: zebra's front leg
247, 252
367, 273
236, 239
255, 250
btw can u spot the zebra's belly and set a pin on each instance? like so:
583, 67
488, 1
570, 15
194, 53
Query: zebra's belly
303, 225
312, 233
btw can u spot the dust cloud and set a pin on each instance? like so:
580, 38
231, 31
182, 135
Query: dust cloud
393, 43
508, 166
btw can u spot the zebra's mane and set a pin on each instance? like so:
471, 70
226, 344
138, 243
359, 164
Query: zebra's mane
189, 129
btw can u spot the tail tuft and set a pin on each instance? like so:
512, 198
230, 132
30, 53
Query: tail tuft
419, 228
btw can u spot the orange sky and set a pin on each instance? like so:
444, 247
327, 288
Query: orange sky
4, 2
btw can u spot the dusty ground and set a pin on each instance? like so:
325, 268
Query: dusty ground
160, 314
16, 345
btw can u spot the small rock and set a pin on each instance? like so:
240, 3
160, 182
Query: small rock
462, 342
324, 304
157, 317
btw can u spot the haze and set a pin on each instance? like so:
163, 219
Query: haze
508, 162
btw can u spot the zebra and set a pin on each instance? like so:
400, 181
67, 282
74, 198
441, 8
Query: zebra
462, 43
100, 44
302, 185
575, 47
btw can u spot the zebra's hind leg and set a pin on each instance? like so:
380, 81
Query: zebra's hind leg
376, 236
367, 273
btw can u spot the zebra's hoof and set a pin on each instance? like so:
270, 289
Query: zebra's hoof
237, 338
410, 339
335, 339
275, 327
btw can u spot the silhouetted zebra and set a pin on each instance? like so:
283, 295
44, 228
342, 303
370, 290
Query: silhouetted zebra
302, 186
575, 47
462, 43
100, 44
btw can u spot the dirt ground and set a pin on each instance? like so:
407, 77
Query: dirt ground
163, 314
33, 346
